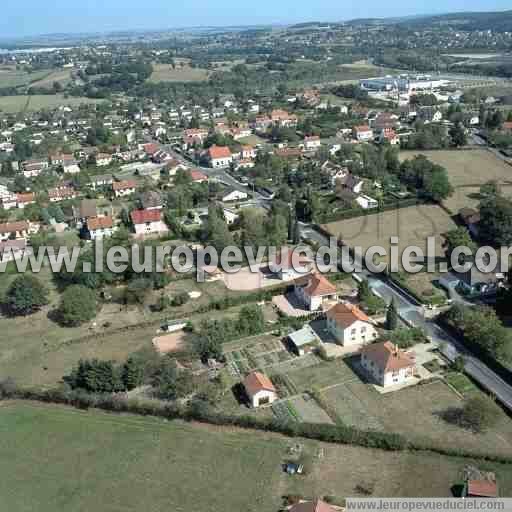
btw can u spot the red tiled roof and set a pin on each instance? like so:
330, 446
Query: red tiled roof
346, 314
387, 357
13, 227
318, 286
219, 152
507, 125
124, 185
143, 216
482, 488
362, 128
99, 223
197, 175
256, 381
312, 506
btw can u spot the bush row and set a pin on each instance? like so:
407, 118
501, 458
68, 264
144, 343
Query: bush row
200, 411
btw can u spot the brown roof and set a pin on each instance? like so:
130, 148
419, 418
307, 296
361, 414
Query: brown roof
482, 488
362, 128
346, 314
256, 381
219, 152
124, 185
99, 223
312, 506
29, 197
318, 285
387, 357
13, 227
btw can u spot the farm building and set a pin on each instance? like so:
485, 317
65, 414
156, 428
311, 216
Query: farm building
259, 389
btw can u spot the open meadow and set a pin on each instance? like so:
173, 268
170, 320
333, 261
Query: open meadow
15, 104
12, 77
76, 460
468, 170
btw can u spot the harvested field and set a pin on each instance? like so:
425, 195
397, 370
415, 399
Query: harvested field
166, 73
412, 225
170, 342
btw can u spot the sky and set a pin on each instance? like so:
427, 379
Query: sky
20, 18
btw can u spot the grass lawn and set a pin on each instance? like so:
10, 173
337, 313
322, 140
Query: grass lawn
12, 77
165, 73
322, 375
62, 76
412, 225
77, 460
14, 104
461, 383
415, 412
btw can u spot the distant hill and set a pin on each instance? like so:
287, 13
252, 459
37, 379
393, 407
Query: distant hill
471, 21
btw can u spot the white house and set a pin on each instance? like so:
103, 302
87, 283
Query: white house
124, 188
259, 389
387, 364
234, 195
99, 227
362, 133
219, 156
315, 291
230, 216
366, 202
14, 230
148, 222
103, 159
350, 326
312, 143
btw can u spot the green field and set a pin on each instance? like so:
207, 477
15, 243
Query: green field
14, 104
55, 459
12, 77
166, 73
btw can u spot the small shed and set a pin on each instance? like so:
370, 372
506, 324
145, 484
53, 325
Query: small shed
304, 340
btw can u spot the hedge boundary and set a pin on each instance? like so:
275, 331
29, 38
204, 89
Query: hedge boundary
338, 434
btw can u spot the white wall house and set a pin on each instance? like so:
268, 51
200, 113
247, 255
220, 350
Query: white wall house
148, 222
14, 230
99, 227
315, 291
219, 156
350, 326
259, 389
386, 364
312, 143
363, 133
124, 188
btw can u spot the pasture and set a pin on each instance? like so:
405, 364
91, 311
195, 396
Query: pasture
12, 77
76, 460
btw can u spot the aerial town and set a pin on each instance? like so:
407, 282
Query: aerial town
276, 387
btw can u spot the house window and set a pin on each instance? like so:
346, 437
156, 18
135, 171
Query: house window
363, 329
353, 332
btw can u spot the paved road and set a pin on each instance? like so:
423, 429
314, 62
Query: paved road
450, 346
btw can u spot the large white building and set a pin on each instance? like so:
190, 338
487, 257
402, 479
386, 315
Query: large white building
403, 83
